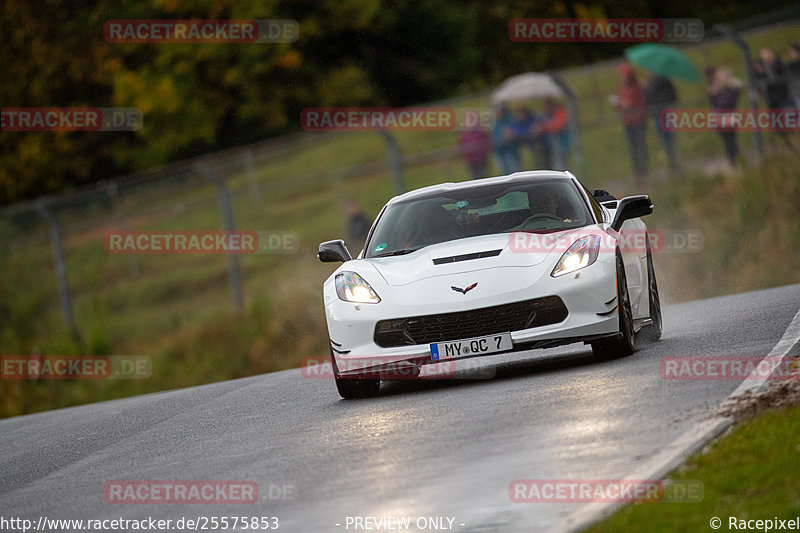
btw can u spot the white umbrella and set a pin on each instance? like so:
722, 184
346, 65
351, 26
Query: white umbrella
526, 86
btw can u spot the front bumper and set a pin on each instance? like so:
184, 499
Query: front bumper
589, 296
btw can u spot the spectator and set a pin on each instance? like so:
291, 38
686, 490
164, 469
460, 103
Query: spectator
358, 224
660, 94
539, 145
793, 74
632, 106
771, 74
506, 148
474, 145
723, 93
773, 82
555, 125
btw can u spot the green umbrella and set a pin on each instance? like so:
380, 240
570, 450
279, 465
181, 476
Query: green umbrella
663, 60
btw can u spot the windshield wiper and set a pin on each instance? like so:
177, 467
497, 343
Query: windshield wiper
397, 252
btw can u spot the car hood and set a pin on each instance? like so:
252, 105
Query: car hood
515, 250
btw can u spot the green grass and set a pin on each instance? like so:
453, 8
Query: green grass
750, 227
749, 474
178, 309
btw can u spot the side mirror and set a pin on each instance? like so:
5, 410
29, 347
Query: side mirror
605, 198
631, 207
602, 195
334, 251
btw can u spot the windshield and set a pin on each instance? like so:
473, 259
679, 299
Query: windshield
542, 206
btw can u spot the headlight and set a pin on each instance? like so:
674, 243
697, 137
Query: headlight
581, 254
352, 288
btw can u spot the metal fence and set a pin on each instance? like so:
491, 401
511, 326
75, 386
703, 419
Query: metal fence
237, 183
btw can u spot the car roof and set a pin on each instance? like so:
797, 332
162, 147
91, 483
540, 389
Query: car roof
517, 177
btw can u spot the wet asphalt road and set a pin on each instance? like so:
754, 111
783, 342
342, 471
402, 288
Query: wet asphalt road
448, 448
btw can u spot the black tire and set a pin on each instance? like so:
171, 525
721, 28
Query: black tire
397, 373
624, 343
652, 332
354, 387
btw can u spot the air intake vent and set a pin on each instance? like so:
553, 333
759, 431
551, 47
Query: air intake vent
473, 323
466, 257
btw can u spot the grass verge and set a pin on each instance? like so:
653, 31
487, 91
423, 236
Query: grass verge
749, 474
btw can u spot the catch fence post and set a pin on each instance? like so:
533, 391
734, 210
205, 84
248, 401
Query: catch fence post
226, 213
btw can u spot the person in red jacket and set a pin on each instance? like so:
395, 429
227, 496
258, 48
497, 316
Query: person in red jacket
556, 125
632, 106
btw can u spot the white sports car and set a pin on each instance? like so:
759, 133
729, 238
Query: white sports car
529, 260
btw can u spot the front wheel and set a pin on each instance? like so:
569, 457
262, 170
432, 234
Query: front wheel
624, 343
354, 387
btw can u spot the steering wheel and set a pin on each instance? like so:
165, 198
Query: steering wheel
541, 215
499, 221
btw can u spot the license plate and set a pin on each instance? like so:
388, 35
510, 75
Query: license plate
499, 342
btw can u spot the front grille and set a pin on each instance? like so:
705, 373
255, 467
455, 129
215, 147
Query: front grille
474, 323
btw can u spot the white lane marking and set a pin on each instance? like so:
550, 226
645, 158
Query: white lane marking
674, 454
790, 337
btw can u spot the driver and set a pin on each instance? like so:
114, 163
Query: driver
545, 201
